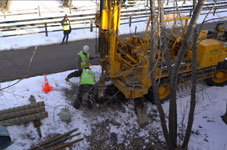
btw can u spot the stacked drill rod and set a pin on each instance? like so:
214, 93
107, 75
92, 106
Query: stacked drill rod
57, 142
23, 114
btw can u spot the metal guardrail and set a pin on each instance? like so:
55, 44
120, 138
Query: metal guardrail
86, 21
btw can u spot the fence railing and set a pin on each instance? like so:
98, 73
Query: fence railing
40, 11
86, 21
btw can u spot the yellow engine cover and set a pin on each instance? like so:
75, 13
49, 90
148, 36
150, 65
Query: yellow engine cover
208, 52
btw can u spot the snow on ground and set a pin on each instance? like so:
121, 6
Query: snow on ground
25, 135
209, 131
211, 104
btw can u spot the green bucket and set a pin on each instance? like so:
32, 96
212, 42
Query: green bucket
5, 139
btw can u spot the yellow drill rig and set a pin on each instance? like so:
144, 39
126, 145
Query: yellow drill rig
126, 62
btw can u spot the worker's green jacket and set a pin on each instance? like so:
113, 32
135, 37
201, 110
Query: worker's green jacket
87, 77
84, 59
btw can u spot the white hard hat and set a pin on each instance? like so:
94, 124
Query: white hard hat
86, 49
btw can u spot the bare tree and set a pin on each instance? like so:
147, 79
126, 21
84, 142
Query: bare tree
193, 93
163, 35
153, 73
67, 3
5, 5
174, 76
194, 4
193, 90
171, 135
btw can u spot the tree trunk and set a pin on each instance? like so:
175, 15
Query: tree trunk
153, 74
193, 94
194, 4
5, 5
174, 76
67, 3
163, 36
8, 5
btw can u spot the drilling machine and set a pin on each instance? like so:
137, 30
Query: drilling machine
126, 62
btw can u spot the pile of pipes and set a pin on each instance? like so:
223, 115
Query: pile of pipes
58, 142
23, 114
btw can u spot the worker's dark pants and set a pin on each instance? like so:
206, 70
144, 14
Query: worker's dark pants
83, 89
66, 35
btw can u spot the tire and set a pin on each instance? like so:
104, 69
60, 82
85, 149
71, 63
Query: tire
220, 76
163, 90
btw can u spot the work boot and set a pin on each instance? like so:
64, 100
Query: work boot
224, 118
76, 104
89, 104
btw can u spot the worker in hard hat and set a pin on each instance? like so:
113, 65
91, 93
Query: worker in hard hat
83, 57
87, 81
66, 29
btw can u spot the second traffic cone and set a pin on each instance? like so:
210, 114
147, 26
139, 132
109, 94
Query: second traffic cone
47, 88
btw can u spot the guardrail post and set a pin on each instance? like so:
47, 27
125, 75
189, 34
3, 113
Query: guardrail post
0, 90
130, 21
0, 86
215, 8
91, 25
190, 14
39, 11
46, 29
70, 10
135, 30
4, 14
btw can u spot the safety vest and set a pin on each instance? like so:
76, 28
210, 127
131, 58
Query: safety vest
66, 25
87, 77
84, 60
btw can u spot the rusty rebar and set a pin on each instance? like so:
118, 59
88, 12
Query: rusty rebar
56, 143
50, 140
68, 144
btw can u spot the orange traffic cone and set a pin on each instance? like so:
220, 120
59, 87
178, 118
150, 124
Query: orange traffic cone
47, 88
